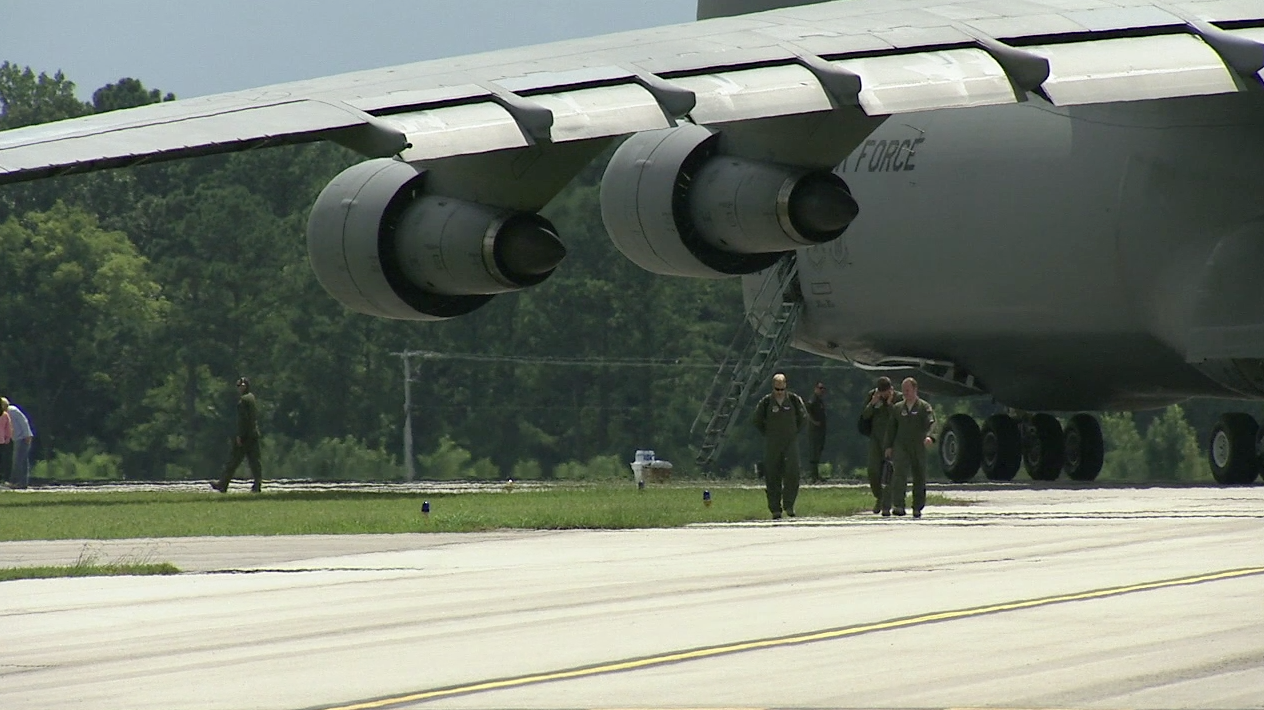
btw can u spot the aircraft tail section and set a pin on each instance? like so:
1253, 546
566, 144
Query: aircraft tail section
708, 9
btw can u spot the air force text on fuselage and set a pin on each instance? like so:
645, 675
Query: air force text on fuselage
891, 155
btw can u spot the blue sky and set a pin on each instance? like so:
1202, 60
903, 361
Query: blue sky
196, 48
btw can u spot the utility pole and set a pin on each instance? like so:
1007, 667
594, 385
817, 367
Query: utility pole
409, 472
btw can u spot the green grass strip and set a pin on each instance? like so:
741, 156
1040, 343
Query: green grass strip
8, 574
115, 515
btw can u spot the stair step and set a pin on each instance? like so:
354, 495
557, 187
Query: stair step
754, 351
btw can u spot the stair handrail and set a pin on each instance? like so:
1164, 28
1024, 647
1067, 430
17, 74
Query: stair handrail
767, 328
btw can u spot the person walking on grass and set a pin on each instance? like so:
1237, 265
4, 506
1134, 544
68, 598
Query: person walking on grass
246, 444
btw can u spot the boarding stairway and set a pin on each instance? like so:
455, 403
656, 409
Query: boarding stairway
751, 358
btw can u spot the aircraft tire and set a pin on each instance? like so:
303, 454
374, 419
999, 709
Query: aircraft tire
960, 448
1043, 449
1232, 450
1002, 448
1085, 448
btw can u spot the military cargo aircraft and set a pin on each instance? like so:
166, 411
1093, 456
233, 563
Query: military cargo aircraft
1050, 202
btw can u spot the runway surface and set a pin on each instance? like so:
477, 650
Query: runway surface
1088, 598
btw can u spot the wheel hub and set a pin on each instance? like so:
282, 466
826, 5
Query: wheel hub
1033, 454
951, 449
1072, 449
1221, 449
991, 450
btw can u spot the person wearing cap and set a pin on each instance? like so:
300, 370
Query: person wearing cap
22, 436
876, 417
816, 430
912, 429
780, 416
246, 443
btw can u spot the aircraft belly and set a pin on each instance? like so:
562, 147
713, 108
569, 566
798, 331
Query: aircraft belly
1024, 244
968, 237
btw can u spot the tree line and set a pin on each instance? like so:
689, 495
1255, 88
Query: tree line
131, 299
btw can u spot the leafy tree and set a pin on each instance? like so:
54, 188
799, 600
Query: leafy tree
600, 468
1171, 449
345, 459
177, 426
92, 465
216, 251
451, 461
1125, 449
27, 99
526, 470
127, 93
79, 308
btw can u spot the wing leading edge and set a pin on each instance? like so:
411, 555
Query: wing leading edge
884, 58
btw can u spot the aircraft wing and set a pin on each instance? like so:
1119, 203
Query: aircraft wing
883, 56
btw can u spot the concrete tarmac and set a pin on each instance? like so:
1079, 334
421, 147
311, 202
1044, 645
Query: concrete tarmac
1030, 598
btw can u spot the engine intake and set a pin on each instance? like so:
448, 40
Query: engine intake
674, 206
381, 246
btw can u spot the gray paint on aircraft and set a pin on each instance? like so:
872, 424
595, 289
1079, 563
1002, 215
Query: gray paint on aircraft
1070, 259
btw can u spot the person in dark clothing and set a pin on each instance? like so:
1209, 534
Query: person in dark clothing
816, 430
246, 443
879, 404
779, 417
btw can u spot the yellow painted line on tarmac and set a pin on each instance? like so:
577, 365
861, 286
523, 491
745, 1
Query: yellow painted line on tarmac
794, 640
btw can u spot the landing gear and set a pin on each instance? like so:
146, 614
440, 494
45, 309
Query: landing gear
1084, 448
1233, 449
1002, 448
960, 448
1037, 441
1047, 450
1043, 448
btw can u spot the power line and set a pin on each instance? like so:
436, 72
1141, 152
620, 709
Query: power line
527, 408
557, 360
554, 360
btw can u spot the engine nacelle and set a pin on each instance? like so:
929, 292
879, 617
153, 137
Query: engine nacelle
674, 206
381, 246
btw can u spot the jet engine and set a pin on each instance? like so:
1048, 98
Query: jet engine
674, 205
382, 246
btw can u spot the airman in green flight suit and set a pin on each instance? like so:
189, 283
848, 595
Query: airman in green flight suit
879, 404
246, 443
780, 416
910, 432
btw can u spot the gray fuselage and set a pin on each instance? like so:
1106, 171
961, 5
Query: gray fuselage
1105, 257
